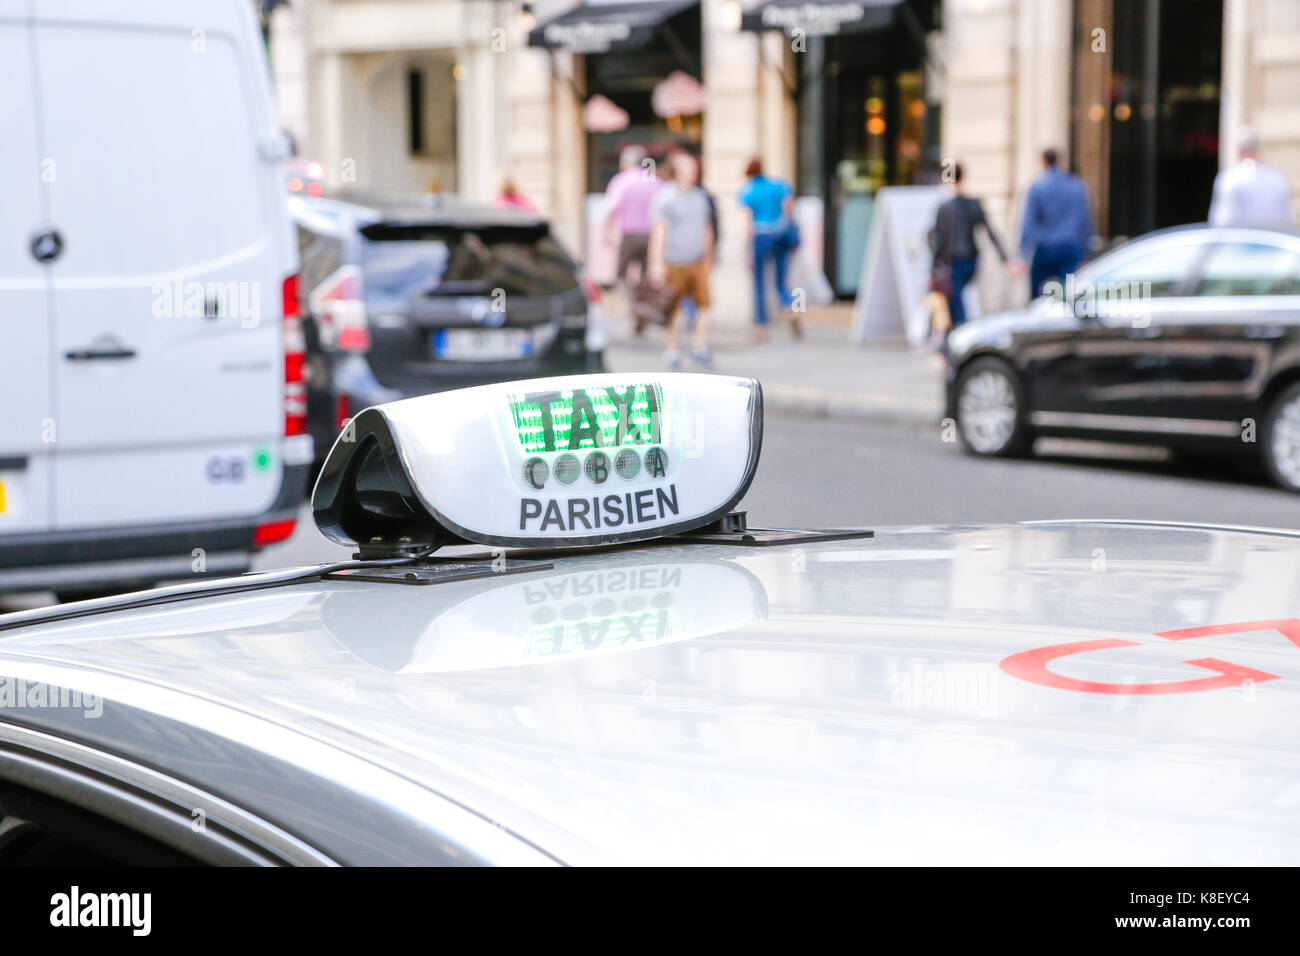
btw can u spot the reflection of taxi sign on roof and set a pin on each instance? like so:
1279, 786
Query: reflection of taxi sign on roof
573, 461
625, 604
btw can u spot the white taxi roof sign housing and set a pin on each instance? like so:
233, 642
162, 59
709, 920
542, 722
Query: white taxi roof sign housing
572, 461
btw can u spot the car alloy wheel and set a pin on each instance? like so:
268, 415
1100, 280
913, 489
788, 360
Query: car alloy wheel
1283, 448
988, 410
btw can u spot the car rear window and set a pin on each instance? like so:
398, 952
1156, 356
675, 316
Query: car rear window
520, 260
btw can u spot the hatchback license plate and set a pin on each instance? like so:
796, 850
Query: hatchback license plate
481, 345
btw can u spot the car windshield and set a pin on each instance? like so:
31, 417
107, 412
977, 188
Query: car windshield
443, 261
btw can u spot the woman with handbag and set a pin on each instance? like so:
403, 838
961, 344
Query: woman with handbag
773, 236
953, 243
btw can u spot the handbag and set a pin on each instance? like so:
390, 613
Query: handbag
650, 303
940, 318
941, 280
788, 238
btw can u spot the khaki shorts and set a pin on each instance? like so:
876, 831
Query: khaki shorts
691, 279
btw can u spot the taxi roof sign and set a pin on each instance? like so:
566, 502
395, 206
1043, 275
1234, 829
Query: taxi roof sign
573, 461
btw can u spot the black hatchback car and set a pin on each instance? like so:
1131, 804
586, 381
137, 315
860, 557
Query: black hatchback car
406, 297
1187, 337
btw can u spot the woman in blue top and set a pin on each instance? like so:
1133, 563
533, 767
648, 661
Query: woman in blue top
772, 237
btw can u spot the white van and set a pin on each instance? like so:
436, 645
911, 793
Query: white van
152, 418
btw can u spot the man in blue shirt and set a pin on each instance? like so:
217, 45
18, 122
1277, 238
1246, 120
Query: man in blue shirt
1057, 224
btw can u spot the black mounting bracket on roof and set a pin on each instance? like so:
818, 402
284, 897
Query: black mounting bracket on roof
440, 570
733, 528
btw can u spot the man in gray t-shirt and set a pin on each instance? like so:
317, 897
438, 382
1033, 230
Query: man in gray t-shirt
685, 213
681, 254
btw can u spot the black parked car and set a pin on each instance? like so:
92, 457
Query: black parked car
402, 298
1187, 337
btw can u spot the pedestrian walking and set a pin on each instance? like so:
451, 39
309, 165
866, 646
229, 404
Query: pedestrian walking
627, 218
772, 238
956, 254
688, 303
509, 197
1251, 193
681, 255
1057, 225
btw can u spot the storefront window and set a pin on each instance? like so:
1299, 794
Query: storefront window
1146, 109
658, 136
628, 79
909, 149
877, 135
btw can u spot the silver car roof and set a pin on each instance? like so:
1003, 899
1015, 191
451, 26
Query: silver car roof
926, 696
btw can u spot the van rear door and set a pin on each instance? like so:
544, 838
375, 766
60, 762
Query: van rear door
166, 298
27, 426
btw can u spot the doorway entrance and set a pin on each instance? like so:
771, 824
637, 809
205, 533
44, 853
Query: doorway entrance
1146, 113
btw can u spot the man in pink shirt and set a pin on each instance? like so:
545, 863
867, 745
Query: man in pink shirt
627, 213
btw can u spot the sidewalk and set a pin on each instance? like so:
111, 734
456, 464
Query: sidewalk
822, 375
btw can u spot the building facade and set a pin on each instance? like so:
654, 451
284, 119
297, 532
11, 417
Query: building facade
394, 95
1144, 97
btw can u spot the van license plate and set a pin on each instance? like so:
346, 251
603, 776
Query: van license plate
482, 345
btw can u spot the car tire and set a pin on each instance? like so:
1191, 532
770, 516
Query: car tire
991, 409
1281, 438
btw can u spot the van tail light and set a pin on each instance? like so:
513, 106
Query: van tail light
592, 290
290, 292
340, 311
272, 532
342, 411
295, 355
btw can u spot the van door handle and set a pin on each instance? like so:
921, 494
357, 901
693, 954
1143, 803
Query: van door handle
1264, 331
95, 355
1143, 332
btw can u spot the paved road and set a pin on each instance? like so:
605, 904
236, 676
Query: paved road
859, 474
819, 473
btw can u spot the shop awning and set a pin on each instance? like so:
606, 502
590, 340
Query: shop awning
597, 27
820, 17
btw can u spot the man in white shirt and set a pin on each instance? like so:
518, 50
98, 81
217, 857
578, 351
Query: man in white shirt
1251, 193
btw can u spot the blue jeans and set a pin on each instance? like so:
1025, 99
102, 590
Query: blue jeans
1053, 261
768, 247
962, 270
